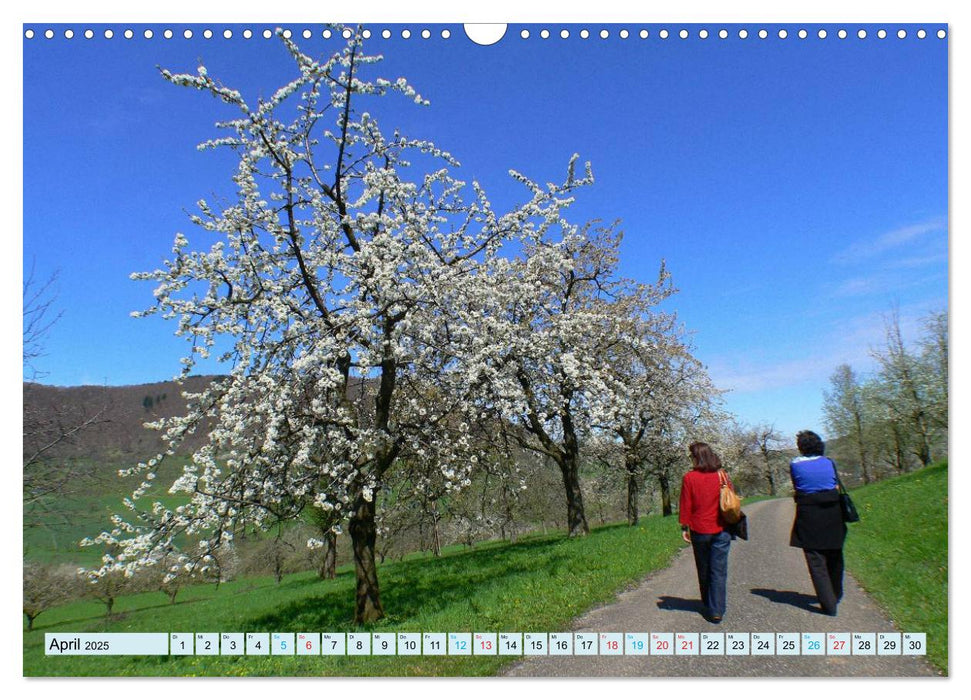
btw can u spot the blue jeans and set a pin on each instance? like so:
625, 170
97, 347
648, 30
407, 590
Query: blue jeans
711, 559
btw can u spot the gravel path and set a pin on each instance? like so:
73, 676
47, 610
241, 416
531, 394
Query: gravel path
768, 591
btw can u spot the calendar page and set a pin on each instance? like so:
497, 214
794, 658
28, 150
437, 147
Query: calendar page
421, 348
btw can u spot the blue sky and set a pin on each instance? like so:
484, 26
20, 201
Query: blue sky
797, 188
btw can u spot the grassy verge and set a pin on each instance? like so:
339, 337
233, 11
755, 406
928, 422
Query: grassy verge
898, 552
537, 584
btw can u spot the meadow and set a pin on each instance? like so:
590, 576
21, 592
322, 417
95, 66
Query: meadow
52, 533
538, 583
898, 551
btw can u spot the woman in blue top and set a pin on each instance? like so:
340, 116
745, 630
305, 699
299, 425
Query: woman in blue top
819, 528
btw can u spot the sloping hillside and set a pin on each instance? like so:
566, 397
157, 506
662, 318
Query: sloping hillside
111, 419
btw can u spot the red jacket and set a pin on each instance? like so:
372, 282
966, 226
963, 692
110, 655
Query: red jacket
698, 508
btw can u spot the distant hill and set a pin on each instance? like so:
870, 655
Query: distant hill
116, 415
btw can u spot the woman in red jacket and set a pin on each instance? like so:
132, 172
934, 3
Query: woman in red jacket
703, 526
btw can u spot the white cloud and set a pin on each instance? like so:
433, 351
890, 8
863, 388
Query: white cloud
745, 379
849, 342
917, 261
888, 282
892, 240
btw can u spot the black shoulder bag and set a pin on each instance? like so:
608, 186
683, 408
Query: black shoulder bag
846, 503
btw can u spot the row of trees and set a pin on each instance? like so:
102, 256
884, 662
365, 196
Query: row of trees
896, 418
47, 585
393, 338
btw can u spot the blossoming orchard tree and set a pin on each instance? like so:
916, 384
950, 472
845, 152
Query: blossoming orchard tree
563, 307
340, 279
659, 395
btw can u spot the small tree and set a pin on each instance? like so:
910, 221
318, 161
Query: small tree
46, 586
905, 394
739, 451
768, 441
168, 576
107, 585
327, 526
664, 458
845, 414
933, 363
286, 551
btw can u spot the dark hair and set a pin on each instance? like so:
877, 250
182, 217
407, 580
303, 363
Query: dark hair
704, 458
810, 444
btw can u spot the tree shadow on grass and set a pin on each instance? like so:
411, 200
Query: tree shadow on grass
796, 600
416, 588
104, 621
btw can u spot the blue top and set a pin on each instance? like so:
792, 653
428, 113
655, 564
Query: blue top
812, 474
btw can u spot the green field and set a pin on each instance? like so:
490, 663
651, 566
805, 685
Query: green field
52, 534
898, 552
539, 583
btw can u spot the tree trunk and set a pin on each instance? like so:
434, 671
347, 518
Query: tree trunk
363, 538
436, 533
569, 463
898, 450
861, 447
509, 521
575, 518
770, 477
923, 448
30, 622
328, 568
665, 484
633, 489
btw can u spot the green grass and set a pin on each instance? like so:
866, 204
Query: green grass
52, 535
898, 552
538, 584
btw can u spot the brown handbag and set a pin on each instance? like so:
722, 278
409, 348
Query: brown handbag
729, 503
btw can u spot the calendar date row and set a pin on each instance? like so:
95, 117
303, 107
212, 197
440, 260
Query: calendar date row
489, 644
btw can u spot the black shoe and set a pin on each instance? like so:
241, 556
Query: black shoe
715, 619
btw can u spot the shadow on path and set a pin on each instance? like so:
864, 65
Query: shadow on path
796, 600
669, 602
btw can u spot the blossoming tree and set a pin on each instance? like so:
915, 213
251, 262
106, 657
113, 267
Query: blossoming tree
563, 307
337, 289
660, 395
